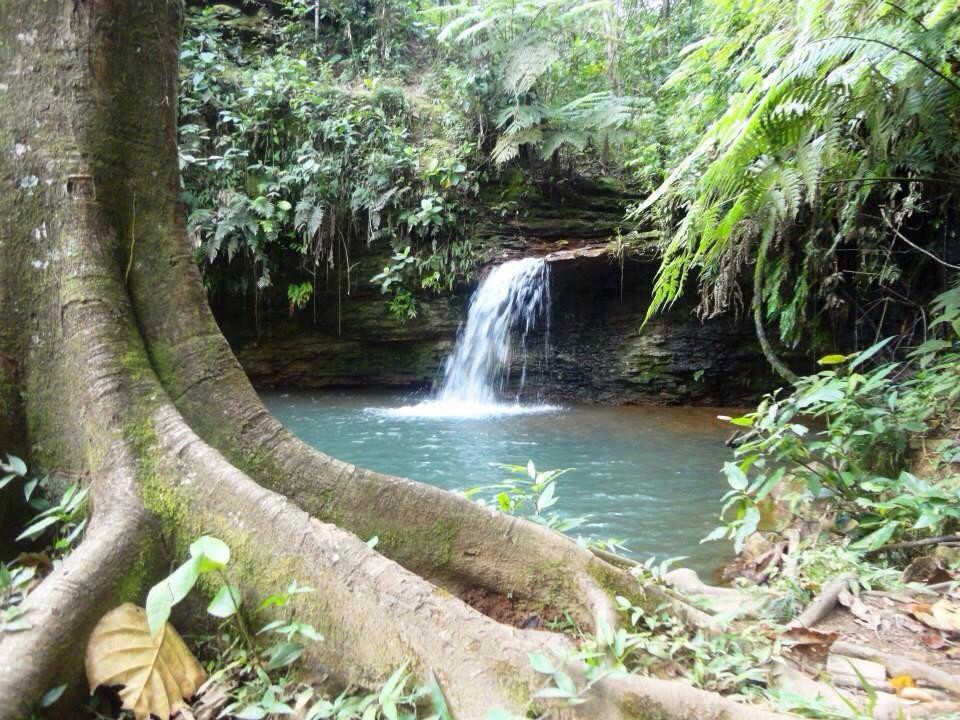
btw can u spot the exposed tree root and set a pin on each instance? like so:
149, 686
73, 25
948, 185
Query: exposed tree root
897, 665
64, 609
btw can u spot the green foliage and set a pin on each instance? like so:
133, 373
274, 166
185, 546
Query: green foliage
831, 140
651, 642
817, 565
656, 643
65, 517
59, 524
258, 671
16, 581
528, 493
207, 555
840, 441
549, 76
286, 165
299, 295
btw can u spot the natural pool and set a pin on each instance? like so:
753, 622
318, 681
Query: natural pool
648, 475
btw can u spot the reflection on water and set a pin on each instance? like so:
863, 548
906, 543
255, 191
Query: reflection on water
650, 476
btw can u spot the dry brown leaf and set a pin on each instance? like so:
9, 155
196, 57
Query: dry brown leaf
942, 615
933, 640
156, 674
807, 636
212, 696
908, 623
919, 695
806, 645
859, 609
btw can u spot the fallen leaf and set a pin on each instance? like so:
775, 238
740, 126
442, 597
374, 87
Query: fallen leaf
156, 673
921, 569
212, 696
919, 695
901, 682
859, 610
933, 640
800, 635
41, 561
908, 623
942, 615
807, 645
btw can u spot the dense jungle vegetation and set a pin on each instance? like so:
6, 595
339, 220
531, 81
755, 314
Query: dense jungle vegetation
797, 161
801, 159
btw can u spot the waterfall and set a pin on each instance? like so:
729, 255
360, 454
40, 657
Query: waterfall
512, 301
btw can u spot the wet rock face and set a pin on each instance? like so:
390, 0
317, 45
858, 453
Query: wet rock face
600, 350
603, 352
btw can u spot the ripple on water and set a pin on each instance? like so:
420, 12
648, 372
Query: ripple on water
650, 476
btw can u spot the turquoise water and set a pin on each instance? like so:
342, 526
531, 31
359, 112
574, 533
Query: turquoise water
650, 476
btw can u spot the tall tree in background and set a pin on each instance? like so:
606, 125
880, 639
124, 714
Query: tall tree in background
114, 371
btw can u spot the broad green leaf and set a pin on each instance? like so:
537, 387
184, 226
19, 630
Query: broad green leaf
862, 357
223, 604
748, 526
283, 655
833, 359
541, 663
565, 684
34, 530
546, 498
876, 539
16, 465
394, 683
718, 533
51, 696
735, 476
438, 700
168, 592
214, 553
250, 712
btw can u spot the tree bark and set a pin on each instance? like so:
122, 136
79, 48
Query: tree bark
765, 345
114, 370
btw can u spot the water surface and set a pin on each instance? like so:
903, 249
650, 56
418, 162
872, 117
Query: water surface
650, 476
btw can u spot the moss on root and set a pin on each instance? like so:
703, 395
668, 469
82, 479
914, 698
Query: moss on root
637, 708
431, 546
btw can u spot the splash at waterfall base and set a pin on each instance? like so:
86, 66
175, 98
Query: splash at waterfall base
512, 302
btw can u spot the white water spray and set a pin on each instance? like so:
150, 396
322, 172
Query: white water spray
512, 301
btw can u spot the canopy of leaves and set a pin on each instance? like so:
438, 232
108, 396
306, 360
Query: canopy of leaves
834, 142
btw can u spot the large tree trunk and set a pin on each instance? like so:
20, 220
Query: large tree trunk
112, 368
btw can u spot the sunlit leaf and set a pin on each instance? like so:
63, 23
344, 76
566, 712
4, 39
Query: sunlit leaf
224, 603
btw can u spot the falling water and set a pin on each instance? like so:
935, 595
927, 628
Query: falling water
512, 301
